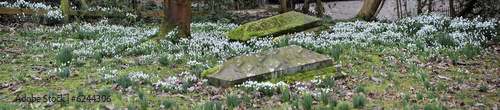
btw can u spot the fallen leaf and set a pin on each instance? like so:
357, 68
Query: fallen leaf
479, 104
191, 89
162, 95
49, 104
65, 92
34, 77
109, 107
464, 87
444, 77
179, 95
42, 37
374, 79
38, 56
17, 89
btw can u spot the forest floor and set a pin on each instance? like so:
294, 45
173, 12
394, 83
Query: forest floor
429, 61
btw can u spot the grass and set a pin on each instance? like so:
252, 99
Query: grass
64, 73
285, 94
333, 104
232, 101
124, 81
64, 57
343, 106
359, 101
307, 101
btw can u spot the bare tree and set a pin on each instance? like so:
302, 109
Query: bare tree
177, 14
369, 9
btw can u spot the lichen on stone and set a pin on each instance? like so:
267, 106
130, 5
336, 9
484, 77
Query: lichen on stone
277, 25
209, 72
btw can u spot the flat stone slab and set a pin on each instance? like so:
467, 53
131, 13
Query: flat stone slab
276, 25
266, 65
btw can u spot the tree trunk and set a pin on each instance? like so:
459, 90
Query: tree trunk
419, 7
468, 8
452, 9
176, 13
430, 6
397, 8
378, 11
368, 10
305, 7
283, 6
320, 9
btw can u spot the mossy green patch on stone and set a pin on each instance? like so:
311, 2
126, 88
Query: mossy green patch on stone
308, 75
209, 72
277, 25
269, 64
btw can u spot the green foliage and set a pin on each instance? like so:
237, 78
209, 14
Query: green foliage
212, 105
198, 18
124, 81
80, 62
360, 89
415, 107
470, 50
407, 97
307, 101
285, 92
333, 104
390, 75
144, 104
460, 80
185, 85
79, 91
441, 86
167, 103
431, 95
329, 82
324, 98
247, 99
434, 107
427, 85
343, 106
232, 101
283, 42
420, 96
77, 105
484, 88
64, 73
131, 106
336, 52
268, 91
64, 57
97, 57
404, 103
104, 92
447, 40
359, 101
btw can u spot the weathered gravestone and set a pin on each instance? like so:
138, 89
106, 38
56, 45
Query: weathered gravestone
265, 65
277, 25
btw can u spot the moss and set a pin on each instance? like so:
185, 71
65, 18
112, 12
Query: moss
308, 75
276, 25
209, 72
359, 16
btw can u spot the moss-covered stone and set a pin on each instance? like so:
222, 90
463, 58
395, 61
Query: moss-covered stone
209, 72
277, 25
267, 65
